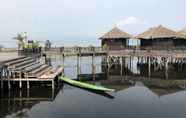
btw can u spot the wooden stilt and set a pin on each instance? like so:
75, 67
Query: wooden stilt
20, 84
108, 72
166, 69
9, 86
121, 65
53, 84
28, 85
2, 84
149, 67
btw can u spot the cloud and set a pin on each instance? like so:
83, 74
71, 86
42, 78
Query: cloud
130, 21
133, 25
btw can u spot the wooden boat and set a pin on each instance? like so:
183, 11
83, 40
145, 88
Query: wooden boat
85, 85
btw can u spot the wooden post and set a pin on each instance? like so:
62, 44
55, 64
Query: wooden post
2, 78
28, 97
8, 100
28, 93
94, 72
108, 72
166, 69
149, 67
93, 66
63, 59
126, 59
20, 82
20, 96
78, 65
53, 84
108, 61
121, 65
28, 85
9, 86
130, 62
1, 83
53, 93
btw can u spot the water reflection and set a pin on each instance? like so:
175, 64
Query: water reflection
17, 103
143, 90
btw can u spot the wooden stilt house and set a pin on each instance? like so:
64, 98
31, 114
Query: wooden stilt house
115, 39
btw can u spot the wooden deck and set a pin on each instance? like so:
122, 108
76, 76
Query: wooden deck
126, 52
148, 53
27, 69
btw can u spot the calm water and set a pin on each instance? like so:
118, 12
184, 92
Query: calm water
129, 101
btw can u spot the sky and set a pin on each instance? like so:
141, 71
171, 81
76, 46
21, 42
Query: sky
82, 22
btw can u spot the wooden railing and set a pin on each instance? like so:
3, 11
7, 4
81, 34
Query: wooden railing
132, 50
74, 50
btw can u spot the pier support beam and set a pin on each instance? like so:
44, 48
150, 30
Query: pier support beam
78, 65
28, 85
166, 69
121, 65
20, 84
2, 83
53, 86
149, 67
9, 86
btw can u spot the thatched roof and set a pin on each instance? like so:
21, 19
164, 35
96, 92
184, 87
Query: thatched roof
158, 32
116, 33
182, 33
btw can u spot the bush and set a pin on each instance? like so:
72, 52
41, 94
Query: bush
104, 47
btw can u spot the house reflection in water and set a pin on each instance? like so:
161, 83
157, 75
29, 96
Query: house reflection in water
18, 103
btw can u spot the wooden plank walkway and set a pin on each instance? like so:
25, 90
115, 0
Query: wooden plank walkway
148, 53
27, 69
52, 74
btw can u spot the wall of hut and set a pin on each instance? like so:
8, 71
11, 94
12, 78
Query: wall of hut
163, 44
114, 44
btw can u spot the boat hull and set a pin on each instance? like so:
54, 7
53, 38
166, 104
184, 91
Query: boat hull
85, 85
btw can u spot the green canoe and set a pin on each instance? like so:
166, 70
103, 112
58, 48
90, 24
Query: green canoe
85, 85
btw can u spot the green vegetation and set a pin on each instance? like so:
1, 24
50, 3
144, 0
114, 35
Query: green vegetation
105, 46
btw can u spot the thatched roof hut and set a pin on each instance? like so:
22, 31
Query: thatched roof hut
115, 39
116, 33
159, 32
161, 38
182, 33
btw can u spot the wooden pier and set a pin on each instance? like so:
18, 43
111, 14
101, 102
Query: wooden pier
23, 70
